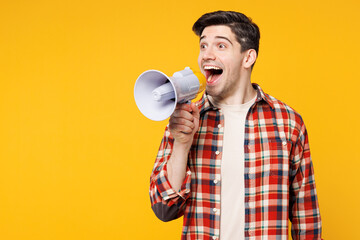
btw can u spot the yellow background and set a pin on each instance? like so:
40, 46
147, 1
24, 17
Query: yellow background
75, 152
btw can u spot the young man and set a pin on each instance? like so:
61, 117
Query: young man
237, 163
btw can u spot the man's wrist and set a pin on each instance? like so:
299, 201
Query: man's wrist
181, 148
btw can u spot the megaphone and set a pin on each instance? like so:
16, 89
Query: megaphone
156, 94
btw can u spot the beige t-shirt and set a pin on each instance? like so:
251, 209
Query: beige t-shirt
232, 212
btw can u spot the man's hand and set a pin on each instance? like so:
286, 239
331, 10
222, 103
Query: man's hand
184, 123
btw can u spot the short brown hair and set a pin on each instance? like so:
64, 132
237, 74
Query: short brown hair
246, 31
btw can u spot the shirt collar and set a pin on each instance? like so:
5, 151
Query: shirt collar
261, 95
204, 104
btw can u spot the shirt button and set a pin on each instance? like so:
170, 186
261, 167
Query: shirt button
219, 126
216, 181
214, 237
217, 152
215, 210
284, 143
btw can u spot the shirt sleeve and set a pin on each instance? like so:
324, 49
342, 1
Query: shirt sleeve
304, 209
167, 203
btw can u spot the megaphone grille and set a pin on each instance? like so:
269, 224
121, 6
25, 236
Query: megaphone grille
152, 109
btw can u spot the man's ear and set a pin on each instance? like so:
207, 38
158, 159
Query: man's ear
249, 58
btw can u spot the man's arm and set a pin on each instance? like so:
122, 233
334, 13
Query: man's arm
304, 209
171, 177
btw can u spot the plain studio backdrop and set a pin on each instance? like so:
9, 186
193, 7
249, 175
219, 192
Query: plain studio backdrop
75, 152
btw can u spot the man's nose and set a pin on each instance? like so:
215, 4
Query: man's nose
208, 54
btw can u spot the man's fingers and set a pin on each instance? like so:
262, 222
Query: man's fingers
195, 110
182, 114
182, 121
183, 106
182, 128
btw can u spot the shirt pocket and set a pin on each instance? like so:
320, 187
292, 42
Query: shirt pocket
280, 151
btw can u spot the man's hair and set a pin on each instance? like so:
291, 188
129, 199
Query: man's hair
247, 32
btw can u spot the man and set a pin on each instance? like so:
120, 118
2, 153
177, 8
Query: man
237, 163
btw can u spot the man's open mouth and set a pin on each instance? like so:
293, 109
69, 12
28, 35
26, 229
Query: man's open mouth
212, 73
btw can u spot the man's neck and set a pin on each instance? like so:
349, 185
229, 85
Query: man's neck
243, 93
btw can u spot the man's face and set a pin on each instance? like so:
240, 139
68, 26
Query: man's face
220, 60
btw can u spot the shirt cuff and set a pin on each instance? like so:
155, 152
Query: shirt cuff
165, 189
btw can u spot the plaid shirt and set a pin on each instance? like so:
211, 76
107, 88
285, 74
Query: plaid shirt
278, 173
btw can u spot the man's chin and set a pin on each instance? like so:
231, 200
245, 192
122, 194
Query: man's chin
211, 91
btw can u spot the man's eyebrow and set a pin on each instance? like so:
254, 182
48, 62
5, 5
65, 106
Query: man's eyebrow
224, 38
221, 37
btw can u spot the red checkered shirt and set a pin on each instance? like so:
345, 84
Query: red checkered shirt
278, 173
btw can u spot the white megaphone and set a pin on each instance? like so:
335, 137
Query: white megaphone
156, 94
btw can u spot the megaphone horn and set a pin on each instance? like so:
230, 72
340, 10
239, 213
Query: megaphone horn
156, 94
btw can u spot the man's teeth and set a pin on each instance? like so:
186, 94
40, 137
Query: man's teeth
212, 71
211, 67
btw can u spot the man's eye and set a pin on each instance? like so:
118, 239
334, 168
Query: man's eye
202, 46
222, 46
